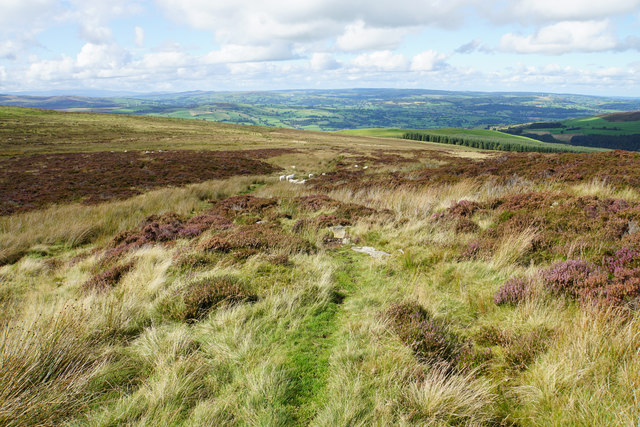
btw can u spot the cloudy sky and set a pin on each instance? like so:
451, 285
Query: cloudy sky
564, 46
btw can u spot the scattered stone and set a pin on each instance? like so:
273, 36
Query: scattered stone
633, 227
370, 251
339, 231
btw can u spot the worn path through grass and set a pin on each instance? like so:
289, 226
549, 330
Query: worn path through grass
321, 340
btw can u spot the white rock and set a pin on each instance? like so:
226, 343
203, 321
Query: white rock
370, 251
365, 167
339, 232
356, 166
293, 167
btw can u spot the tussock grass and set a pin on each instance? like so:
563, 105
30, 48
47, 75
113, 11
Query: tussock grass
512, 247
601, 188
47, 363
75, 225
446, 399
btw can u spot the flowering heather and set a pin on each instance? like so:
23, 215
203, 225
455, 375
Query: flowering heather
513, 291
472, 250
570, 277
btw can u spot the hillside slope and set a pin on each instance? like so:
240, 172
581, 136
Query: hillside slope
402, 283
612, 131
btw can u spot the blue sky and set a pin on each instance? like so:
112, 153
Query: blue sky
568, 46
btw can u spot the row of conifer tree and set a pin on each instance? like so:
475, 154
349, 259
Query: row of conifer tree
481, 143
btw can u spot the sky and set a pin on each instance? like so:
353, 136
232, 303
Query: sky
560, 46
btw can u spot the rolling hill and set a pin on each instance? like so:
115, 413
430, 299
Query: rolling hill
331, 110
613, 131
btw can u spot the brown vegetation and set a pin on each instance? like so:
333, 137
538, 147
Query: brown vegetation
32, 182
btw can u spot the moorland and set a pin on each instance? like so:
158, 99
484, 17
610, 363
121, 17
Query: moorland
194, 286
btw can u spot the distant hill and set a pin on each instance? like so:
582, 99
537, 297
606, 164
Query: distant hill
331, 110
614, 131
627, 116
61, 102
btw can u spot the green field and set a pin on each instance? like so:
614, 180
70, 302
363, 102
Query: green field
529, 144
616, 130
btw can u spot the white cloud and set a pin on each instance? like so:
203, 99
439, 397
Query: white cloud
26, 14
323, 62
358, 36
384, 60
563, 37
568, 10
239, 53
93, 17
139, 36
254, 21
101, 56
428, 60
164, 60
56, 69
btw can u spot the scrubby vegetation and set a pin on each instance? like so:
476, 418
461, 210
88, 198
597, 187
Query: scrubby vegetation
509, 295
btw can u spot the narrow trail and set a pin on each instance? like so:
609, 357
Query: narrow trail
311, 346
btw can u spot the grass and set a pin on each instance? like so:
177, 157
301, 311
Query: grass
115, 314
471, 136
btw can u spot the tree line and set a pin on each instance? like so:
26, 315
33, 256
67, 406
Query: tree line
482, 143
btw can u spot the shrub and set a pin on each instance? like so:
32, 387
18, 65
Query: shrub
465, 225
431, 341
575, 278
463, 208
207, 294
428, 339
523, 348
471, 250
109, 278
513, 291
256, 237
